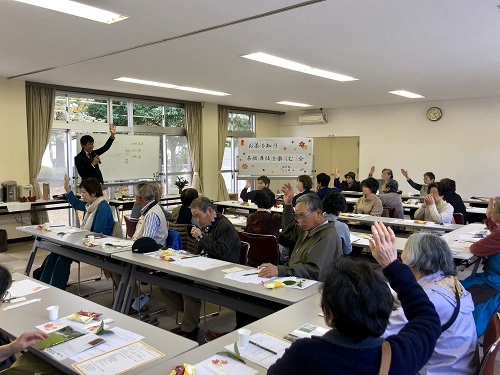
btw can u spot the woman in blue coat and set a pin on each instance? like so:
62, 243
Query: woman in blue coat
97, 218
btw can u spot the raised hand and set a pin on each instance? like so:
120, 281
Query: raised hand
383, 244
404, 172
112, 130
372, 170
66, 183
489, 209
248, 184
287, 194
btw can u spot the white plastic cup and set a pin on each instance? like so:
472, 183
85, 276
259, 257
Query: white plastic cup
243, 337
249, 201
53, 312
91, 238
46, 226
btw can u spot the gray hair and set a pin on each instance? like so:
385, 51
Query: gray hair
428, 253
312, 202
202, 204
392, 185
146, 191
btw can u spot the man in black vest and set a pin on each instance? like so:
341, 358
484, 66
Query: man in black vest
88, 160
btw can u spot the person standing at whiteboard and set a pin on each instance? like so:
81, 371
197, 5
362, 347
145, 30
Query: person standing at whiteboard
88, 160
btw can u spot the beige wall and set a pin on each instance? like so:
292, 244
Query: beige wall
210, 151
14, 150
463, 145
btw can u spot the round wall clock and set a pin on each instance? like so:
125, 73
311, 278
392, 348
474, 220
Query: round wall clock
434, 113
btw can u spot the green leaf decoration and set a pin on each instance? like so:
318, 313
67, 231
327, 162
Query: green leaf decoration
102, 331
236, 356
289, 282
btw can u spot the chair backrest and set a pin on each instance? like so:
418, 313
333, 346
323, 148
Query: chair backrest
458, 218
130, 226
245, 246
491, 344
117, 230
263, 248
174, 240
388, 212
188, 242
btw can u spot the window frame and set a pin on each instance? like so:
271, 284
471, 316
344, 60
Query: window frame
234, 136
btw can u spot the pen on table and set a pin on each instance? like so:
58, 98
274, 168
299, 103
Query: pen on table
262, 347
250, 274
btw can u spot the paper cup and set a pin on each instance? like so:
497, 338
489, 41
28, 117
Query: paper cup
53, 312
243, 337
91, 238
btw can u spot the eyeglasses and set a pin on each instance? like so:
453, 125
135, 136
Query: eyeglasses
6, 297
301, 216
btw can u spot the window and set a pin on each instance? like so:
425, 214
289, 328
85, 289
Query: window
85, 114
54, 167
240, 125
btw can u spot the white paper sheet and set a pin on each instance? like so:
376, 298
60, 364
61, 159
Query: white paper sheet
247, 276
74, 346
261, 356
25, 287
121, 338
221, 365
201, 263
119, 361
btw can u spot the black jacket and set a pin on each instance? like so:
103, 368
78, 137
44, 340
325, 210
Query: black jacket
84, 164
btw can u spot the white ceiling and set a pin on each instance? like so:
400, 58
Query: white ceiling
446, 49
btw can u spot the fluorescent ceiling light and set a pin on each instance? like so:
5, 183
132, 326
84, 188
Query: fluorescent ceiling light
406, 94
170, 86
77, 9
292, 65
294, 104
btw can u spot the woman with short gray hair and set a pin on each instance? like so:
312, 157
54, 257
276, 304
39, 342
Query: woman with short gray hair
431, 261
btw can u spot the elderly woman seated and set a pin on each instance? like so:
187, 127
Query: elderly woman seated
391, 198
487, 299
369, 203
431, 261
435, 208
356, 303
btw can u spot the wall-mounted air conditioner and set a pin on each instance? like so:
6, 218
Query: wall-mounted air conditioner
313, 118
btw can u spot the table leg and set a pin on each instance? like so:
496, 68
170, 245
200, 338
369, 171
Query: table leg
31, 257
120, 293
127, 300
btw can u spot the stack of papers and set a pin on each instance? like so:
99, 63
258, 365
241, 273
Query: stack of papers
201, 263
264, 349
307, 330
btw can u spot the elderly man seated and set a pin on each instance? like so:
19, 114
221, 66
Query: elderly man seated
317, 242
217, 239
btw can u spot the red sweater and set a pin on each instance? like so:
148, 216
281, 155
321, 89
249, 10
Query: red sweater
489, 245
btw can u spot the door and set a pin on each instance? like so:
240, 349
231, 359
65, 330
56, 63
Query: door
336, 152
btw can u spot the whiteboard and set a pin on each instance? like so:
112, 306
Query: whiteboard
131, 157
275, 156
